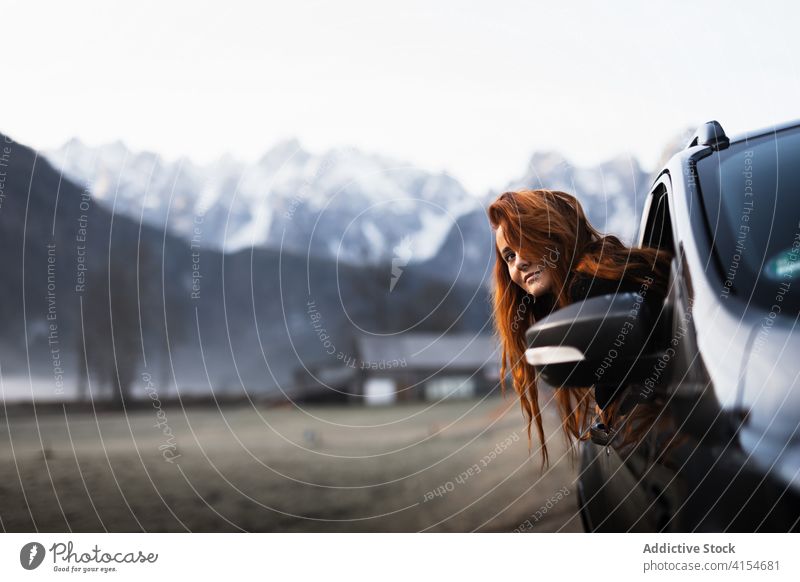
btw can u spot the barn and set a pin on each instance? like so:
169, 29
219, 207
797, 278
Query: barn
404, 367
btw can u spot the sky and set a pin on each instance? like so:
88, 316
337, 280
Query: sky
470, 88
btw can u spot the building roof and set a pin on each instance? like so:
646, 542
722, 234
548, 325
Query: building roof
430, 350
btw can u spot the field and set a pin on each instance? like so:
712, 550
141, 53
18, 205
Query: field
456, 466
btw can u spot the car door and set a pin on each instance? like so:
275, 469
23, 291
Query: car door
636, 492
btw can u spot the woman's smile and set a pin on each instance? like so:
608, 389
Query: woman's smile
531, 276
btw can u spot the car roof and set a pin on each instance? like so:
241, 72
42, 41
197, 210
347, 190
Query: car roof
747, 135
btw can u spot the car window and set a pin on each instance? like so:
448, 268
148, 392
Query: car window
751, 196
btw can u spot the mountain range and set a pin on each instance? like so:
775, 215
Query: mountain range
119, 263
344, 204
94, 299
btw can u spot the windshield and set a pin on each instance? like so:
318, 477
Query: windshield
751, 195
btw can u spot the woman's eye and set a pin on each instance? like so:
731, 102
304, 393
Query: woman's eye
509, 256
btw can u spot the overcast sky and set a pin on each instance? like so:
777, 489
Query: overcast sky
472, 88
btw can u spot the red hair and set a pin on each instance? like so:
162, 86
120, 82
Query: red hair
541, 225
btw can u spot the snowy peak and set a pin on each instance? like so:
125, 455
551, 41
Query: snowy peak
612, 193
337, 203
344, 203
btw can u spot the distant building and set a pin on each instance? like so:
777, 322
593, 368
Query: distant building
404, 367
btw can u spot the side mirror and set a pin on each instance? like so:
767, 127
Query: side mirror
601, 340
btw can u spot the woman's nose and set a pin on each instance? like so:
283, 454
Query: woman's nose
522, 264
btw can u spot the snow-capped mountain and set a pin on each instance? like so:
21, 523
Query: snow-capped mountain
344, 203
612, 193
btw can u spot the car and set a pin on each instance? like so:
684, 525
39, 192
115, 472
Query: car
717, 361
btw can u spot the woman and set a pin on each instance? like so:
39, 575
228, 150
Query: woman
548, 256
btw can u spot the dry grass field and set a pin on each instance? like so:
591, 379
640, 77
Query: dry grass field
456, 466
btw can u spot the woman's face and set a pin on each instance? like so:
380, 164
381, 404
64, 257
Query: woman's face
533, 276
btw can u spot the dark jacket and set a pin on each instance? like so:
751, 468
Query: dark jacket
581, 286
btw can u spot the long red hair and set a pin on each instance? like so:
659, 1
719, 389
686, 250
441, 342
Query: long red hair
550, 226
